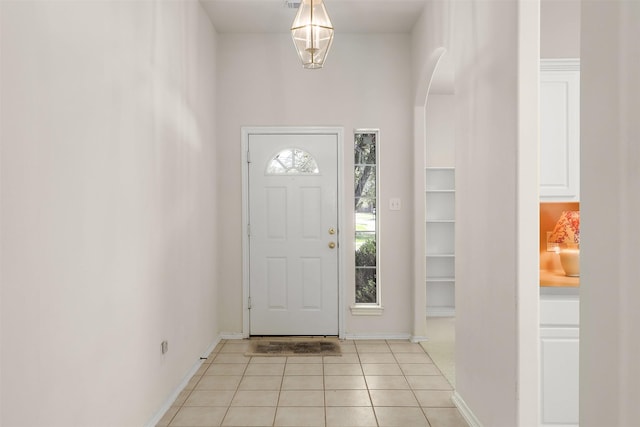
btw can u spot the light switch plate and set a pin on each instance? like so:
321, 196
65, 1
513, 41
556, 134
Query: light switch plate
395, 204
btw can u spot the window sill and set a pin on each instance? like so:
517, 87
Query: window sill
366, 310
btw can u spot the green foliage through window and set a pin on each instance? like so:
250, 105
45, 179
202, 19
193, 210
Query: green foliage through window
366, 289
365, 198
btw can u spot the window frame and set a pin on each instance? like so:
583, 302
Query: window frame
369, 308
293, 169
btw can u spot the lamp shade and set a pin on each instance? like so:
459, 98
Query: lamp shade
312, 33
567, 234
567, 229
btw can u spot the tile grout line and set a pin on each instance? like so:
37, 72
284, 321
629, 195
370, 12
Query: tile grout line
413, 391
324, 392
366, 383
190, 391
215, 354
235, 393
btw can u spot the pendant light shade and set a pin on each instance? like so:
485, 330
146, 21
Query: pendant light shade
312, 33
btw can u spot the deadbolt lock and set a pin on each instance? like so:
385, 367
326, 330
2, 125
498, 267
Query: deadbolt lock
332, 230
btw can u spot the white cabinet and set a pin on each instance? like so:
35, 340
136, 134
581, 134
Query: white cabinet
559, 130
440, 237
559, 358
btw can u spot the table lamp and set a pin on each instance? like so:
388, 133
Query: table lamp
567, 234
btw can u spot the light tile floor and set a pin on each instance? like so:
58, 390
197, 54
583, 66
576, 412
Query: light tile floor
373, 383
441, 345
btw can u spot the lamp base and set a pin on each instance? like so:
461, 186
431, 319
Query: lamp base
570, 260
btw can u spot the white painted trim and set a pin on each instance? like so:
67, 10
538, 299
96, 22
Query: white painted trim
426, 77
176, 391
377, 309
232, 335
419, 299
342, 248
466, 413
364, 310
558, 425
564, 64
375, 336
441, 311
527, 352
268, 130
245, 238
417, 339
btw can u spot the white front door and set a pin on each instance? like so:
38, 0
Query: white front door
293, 252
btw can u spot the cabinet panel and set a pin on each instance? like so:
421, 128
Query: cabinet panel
560, 130
559, 377
559, 357
554, 130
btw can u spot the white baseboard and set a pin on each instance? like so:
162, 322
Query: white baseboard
210, 348
377, 336
176, 391
418, 338
466, 413
232, 336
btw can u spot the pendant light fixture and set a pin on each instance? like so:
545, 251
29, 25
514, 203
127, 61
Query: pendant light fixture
312, 33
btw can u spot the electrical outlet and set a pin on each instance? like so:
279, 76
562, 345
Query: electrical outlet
395, 204
165, 346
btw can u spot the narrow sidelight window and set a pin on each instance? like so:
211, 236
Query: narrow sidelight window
366, 219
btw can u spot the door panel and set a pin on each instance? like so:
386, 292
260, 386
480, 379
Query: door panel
276, 283
293, 271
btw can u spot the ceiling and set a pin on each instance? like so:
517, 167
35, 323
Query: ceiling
347, 16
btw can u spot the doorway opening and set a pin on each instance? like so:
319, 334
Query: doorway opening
292, 257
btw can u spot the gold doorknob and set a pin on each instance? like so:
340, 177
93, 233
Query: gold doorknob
332, 245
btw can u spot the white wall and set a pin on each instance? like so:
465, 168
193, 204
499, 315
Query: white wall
429, 44
496, 60
487, 89
365, 84
560, 29
430, 32
440, 130
108, 207
610, 202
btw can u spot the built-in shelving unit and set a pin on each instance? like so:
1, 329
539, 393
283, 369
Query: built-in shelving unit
440, 240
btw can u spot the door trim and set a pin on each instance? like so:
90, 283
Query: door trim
274, 130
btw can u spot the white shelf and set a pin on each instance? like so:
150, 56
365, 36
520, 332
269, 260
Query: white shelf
441, 311
441, 279
440, 240
439, 179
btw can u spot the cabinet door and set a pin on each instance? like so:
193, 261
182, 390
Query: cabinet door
559, 351
560, 131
